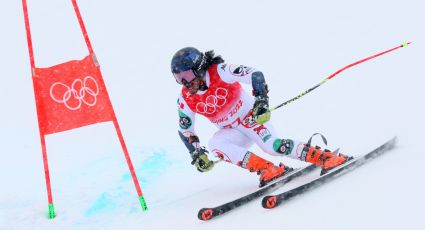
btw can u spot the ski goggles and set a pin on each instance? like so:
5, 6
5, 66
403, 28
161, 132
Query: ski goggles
187, 75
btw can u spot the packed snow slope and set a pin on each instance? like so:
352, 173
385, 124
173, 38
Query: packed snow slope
296, 44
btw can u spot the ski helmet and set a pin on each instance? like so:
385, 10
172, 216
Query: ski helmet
187, 64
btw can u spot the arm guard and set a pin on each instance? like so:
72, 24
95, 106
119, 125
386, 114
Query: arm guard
190, 142
259, 85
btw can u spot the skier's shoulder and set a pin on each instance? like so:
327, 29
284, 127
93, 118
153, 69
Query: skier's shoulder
180, 98
235, 70
224, 69
181, 103
232, 72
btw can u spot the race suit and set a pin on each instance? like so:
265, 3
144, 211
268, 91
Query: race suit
226, 104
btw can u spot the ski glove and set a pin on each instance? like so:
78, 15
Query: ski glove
201, 161
260, 112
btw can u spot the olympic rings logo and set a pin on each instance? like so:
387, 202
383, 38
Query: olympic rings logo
212, 102
73, 98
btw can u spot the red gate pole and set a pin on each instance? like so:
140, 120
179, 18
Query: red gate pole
42, 139
116, 125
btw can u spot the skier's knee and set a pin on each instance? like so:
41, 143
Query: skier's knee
215, 144
279, 147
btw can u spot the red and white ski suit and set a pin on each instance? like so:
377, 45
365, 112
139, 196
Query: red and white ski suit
229, 107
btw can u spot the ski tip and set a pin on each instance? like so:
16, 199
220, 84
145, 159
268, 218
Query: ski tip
393, 141
205, 214
269, 202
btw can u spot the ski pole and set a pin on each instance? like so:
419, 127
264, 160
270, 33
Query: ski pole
338, 72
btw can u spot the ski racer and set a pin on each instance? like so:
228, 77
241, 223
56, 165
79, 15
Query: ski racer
213, 89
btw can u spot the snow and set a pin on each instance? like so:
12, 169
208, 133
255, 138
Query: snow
296, 44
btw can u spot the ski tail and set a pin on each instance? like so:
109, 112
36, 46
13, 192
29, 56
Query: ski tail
206, 214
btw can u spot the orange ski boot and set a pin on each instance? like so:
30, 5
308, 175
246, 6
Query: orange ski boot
327, 159
266, 169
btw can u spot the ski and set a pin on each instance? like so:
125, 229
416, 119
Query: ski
209, 213
273, 201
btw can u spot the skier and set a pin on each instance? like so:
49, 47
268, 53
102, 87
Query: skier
212, 88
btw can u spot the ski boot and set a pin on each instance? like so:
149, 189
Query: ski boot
266, 169
324, 158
